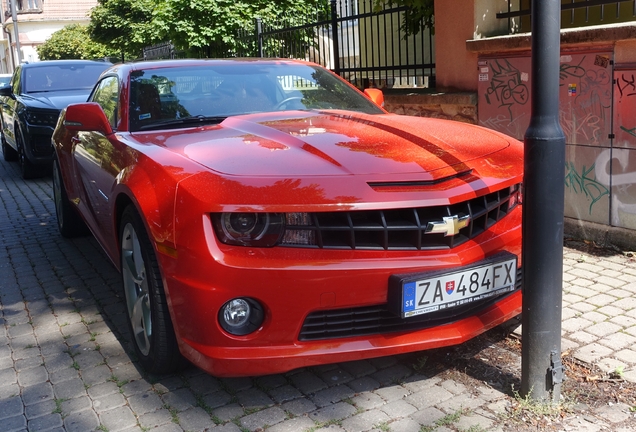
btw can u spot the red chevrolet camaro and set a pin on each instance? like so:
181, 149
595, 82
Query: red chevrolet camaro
266, 215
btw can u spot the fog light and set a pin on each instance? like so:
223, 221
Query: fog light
241, 316
236, 312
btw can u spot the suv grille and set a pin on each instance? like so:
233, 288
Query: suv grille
369, 320
401, 229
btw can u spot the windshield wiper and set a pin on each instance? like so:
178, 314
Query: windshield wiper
198, 119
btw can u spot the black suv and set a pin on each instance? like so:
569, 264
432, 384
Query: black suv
32, 102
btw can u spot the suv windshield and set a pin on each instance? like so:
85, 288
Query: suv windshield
61, 77
223, 90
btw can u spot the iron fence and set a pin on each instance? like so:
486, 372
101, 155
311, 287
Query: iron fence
574, 13
364, 46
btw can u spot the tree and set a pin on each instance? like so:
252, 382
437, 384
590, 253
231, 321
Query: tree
421, 16
72, 42
125, 25
192, 26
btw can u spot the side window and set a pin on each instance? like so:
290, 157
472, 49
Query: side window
15, 81
107, 95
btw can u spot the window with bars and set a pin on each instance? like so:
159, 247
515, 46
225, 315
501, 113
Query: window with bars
574, 13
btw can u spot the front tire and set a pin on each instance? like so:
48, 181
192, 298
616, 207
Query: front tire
69, 223
8, 153
149, 320
27, 168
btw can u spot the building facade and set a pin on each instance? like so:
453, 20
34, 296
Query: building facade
36, 21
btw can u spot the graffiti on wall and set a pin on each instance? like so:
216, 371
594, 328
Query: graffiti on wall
626, 106
507, 86
584, 182
586, 97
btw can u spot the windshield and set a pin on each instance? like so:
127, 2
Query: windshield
222, 90
62, 77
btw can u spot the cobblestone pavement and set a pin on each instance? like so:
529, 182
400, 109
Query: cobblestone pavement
64, 362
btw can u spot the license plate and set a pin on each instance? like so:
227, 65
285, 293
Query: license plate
423, 293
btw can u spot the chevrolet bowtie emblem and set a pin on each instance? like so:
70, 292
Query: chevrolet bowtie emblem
449, 226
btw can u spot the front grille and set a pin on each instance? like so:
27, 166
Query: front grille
41, 145
370, 320
401, 229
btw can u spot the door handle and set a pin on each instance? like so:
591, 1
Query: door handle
75, 140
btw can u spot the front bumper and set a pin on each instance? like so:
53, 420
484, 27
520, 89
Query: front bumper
38, 147
292, 283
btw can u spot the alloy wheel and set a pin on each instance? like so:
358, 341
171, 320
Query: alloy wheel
136, 289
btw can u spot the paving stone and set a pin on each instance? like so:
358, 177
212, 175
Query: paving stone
308, 383
195, 419
216, 399
367, 400
62, 375
228, 412
69, 389
10, 407
591, 353
37, 393
363, 384
81, 421
228, 427
427, 416
109, 402
398, 409
284, 393
336, 411
425, 399
142, 403
45, 423
180, 400
206, 384
96, 375
392, 375
603, 329
627, 355
392, 393
237, 384
405, 425
8, 376
36, 375
118, 419
263, 419
155, 418
299, 407
15, 423
269, 382
75, 405
365, 421
40, 409
254, 398
332, 395
294, 425
474, 422
336, 376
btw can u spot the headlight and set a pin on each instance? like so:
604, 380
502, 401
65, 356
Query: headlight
42, 118
249, 229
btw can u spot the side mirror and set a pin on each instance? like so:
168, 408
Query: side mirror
88, 116
375, 95
5, 90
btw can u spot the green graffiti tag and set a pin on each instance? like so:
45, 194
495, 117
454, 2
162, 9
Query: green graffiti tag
631, 131
583, 183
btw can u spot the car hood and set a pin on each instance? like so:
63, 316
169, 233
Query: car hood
54, 100
331, 143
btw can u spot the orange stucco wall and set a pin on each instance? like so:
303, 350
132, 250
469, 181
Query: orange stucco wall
455, 67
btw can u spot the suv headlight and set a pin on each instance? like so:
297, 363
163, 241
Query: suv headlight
42, 118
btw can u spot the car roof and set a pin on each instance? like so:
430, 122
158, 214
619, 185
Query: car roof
199, 62
45, 63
